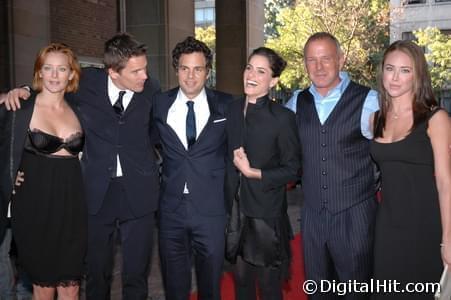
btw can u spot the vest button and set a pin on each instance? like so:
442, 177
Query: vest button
121, 122
323, 130
324, 187
323, 159
323, 145
324, 173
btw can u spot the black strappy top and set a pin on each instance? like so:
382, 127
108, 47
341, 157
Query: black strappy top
41, 142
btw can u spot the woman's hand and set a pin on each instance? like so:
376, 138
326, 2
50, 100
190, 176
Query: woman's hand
19, 179
241, 161
446, 253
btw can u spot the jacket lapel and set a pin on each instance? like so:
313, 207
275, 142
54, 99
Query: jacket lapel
212, 106
171, 96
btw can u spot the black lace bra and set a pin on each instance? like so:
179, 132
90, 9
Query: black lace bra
43, 143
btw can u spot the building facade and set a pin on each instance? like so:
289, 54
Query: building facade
410, 15
84, 25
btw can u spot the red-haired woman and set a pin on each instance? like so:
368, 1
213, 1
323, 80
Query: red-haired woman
40, 146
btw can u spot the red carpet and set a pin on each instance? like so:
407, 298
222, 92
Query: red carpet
292, 289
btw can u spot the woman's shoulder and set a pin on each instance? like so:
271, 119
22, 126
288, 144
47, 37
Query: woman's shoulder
281, 111
438, 116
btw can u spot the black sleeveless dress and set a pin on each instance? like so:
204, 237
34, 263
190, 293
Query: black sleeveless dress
49, 214
408, 225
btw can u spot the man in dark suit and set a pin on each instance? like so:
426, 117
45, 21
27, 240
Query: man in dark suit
191, 123
339, 209
120, 173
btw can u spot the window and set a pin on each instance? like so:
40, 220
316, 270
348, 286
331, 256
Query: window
415, 1
204, 16
442, 0
408, 36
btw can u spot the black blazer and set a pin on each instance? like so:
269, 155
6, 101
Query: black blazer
202, 166
106, 135
13, 132
270, 140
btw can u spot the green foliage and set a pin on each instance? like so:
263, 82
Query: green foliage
272, 9
438, 55
207, 35
361, 26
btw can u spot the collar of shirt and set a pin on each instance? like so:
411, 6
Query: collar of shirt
335, 93
113, 94
325, 104
177, 114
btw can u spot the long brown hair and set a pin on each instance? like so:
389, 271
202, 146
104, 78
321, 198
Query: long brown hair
423, 96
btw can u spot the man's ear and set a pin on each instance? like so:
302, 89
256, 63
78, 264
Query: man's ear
341, 60
113, 74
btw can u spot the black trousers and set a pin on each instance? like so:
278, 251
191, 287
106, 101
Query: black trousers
185, 237
136, 236
248, 277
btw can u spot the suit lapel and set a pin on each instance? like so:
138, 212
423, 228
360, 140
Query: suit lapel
171, 96
212, 106
105, 103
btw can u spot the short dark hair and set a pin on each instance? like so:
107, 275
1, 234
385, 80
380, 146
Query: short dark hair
323, 36
276, 62
188, 46
119, 49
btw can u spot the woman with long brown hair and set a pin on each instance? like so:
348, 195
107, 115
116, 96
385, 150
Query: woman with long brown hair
411, 138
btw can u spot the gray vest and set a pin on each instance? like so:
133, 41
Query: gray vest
337, 171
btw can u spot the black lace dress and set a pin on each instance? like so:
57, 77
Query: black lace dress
49, 214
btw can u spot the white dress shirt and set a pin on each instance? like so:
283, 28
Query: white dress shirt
113, 94
178, 111
177, 117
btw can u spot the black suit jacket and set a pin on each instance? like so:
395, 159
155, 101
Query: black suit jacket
106, 136
202, 167
13, 132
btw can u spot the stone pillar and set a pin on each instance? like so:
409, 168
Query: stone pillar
160, 25
5, 59
30, 32
239, 30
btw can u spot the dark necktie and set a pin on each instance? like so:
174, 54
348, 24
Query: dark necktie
190, 124
118, 106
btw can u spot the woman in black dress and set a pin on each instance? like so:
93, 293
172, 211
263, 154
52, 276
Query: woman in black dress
43, 141
264, 157
411, 138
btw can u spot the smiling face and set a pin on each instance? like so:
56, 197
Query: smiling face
323, 62
133, 76
55, 72
192, 73
257, 78
398, 75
